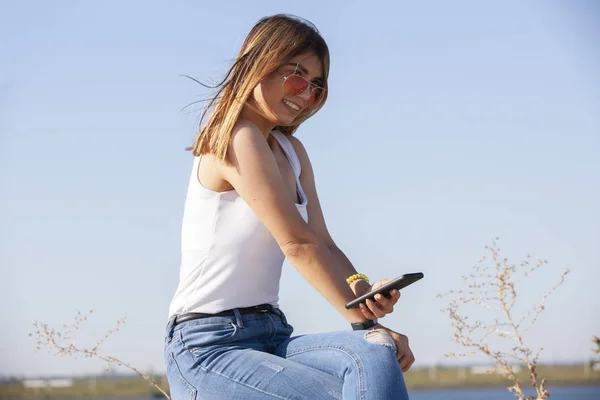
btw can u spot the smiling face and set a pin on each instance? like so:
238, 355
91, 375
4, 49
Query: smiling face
270, 100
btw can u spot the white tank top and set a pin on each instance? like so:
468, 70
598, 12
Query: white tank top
229, 259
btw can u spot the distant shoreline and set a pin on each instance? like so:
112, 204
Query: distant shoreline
418, 379
445, 378
497, 385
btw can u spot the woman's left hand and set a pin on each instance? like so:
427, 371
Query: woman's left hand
382, 305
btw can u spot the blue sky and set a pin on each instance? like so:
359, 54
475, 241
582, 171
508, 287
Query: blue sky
447, 124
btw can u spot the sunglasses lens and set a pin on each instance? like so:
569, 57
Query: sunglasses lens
317, 96
294, 85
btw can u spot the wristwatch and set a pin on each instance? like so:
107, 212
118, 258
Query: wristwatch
361, 326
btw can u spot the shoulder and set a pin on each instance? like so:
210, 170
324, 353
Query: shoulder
244, 131
299, 149
245, 138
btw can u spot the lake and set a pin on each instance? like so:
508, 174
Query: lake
562, 393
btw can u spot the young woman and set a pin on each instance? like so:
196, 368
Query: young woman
251, 203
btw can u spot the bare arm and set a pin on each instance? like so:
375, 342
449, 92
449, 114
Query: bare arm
359, 287
254, 175
316, 220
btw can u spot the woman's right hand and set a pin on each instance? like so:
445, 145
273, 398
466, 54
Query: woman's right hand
404, 354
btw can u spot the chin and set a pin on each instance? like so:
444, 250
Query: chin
287, 122
284, 120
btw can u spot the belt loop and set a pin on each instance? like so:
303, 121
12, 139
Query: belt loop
281, 315
238, 318
170, 325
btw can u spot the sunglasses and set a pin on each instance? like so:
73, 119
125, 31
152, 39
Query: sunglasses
295, 85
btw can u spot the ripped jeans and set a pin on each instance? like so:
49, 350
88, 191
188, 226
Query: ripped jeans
253, 356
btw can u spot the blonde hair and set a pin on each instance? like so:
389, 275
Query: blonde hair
270, 44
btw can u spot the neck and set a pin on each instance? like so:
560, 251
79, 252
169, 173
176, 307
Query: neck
264, 125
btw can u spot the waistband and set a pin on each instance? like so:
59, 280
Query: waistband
235, 312
262, 308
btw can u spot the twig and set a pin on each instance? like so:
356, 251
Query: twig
493, 287
54, 340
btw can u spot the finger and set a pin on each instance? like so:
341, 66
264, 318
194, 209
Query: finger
412, 358
400, 355
366, 312
395, 296
405, 362
379, 284
403, 365
407, 358
404, 355
401, 345
399, 348
375, 309
385, 304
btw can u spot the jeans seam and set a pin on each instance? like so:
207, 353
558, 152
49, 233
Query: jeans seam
245, 384
190, 388
356, 360
273, 327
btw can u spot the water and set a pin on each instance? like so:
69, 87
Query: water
563, 393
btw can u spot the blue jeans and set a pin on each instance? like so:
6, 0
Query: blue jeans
253, 356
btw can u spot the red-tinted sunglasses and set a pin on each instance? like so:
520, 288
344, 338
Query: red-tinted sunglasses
295, 85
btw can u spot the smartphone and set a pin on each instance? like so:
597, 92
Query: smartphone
398, 283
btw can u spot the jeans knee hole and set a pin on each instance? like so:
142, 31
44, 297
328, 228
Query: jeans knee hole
380, 338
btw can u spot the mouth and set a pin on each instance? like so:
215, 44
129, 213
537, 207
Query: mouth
291, 106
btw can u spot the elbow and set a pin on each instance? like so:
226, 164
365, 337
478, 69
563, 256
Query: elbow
302, 248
